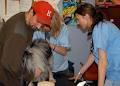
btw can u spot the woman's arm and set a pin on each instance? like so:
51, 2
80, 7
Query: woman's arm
59, 49
88, 63
102, 66
64, 42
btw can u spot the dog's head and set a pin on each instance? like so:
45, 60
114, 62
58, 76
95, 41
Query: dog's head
36, 54
39, 45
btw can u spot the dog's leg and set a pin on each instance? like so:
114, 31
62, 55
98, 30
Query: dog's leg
49, 67
51, 75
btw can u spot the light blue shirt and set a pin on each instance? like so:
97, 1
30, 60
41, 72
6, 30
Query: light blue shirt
106, 36
60, 63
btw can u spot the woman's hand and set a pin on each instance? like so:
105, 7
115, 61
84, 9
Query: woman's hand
76, 77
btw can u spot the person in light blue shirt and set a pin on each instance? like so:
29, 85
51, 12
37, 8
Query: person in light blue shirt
60, 62
58, 37
106, 45
107, 37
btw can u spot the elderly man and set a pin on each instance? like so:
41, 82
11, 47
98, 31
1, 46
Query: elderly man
15, 35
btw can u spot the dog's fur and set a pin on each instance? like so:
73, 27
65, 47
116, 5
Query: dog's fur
37, 55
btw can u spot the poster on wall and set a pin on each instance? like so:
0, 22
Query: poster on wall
69, 7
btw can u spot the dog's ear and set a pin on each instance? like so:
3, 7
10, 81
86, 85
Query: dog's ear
49, 53
27, 52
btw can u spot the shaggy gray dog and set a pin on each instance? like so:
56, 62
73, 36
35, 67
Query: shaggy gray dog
37, 55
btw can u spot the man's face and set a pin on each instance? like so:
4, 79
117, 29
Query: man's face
37, 25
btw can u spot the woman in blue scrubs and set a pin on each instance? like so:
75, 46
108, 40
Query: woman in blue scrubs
106, 45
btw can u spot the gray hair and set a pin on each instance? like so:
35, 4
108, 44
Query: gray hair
37, 55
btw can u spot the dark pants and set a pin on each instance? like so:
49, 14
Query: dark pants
62, 79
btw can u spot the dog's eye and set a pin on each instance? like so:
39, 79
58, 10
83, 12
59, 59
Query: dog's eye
26, 53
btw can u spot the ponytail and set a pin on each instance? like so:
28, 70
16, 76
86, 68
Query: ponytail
98, 17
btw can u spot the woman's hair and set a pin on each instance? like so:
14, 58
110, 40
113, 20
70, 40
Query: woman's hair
56, 24
86, 8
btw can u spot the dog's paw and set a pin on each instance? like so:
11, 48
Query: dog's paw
52, 80
30, 84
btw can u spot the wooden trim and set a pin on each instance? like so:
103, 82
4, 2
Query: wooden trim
5, 7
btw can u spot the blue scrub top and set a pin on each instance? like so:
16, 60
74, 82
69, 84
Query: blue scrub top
106, 36
60, 63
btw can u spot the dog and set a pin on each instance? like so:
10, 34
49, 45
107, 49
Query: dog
38, 55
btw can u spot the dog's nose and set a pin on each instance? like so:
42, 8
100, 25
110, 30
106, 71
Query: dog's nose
26, 53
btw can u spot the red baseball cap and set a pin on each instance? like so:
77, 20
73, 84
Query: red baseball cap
44, 11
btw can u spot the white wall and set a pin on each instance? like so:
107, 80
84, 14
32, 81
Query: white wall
12, 7
25, 5
79, 47
2, 7
91, 2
